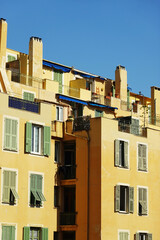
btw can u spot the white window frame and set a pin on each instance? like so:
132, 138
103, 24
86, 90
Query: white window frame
146, 171
29, 177
127, 186
121, 167
11, 54
138, 187
3, 131
58, 116
145, 232
123, 231
8, 224
13, 170
40, 129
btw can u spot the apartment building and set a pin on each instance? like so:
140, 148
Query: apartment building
79, 153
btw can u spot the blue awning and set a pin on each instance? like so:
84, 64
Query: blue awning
83, 75
101, 105
71, 99
56, 66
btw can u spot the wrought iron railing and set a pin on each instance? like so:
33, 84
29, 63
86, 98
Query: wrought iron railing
135, 130
81, 123
68, 218
24, 104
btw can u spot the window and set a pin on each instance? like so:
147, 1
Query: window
98, 113
143, 236
142, 201
37, 139
58, 77
142, 157
33, 233
134, 126
8, 232
10, 134
28, 96
36, 195
121, 154
123, 236
124, 199
57, 152
59, 113
9, 194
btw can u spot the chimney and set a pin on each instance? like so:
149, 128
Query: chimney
3, 42
35, 57
155, 103
121, 83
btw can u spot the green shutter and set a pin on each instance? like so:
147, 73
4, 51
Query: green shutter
12, 232
144, 157
149, 236
126, 154
44, 233
7, 133
137, 236
58, 77
6, 232
140, 163
117, 198
33, 188
6, 187
28, 137
28, 96
121, 236
39, 188
131, 199
116, 152
14, 128
26, 231
47, 140
13, 184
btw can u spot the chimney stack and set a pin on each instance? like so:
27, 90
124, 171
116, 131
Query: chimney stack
35, 57
3, 42
121, 82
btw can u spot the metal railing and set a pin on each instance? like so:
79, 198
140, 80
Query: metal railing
81, 123
135, 130
67, 218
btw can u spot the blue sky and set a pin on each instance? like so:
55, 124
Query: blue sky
92, 35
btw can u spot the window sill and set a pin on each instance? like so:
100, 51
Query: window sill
123, 212
10, 150
145, 171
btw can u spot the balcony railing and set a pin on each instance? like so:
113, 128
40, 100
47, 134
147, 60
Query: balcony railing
135, 130
24, 104
67, 172
67, 218
81, 123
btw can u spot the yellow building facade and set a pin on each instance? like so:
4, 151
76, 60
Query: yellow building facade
79, 153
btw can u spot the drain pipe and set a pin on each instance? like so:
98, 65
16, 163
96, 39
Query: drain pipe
88, 186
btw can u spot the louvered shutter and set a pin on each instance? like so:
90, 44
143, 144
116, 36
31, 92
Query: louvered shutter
6, 187
117, 198
144, 203
121, 236
131, 199
116, 152
44, 233
137, 236
126, 154
26, 231
149, 236
140, 163
6, 232
13, 184
39, 188
47, 140
12, 231
144, 157
28, 137
14, 128
33, 188
7, 134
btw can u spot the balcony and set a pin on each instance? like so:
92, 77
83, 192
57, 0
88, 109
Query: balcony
81, 123
135, 130
67, 218
67, 172
24, 104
